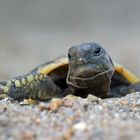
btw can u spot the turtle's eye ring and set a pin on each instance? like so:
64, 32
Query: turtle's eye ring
97, 51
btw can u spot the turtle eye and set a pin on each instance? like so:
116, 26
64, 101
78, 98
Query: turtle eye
97, 51
69, 56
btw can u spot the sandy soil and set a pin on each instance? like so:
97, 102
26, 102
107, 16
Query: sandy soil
72, 118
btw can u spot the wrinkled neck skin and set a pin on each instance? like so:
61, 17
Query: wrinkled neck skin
98, 85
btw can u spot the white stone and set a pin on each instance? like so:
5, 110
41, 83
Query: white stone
81, 126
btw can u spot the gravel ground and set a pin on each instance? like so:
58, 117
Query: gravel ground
72, 118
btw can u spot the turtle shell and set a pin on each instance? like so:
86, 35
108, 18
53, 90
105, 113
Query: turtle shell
58, 69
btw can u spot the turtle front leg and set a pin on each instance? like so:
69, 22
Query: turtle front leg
133, 88
34, 86
122, 90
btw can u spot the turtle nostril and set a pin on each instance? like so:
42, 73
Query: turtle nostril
81, 61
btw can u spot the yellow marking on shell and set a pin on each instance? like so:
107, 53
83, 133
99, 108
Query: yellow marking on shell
17, 83
50, 67
5, 89
23, 81
132, 78
30, 78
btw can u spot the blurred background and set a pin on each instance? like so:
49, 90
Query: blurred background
35, 31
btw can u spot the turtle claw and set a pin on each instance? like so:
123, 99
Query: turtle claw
28, 102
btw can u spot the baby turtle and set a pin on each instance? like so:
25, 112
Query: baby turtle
88, 69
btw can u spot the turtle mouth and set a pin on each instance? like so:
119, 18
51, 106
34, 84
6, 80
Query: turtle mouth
87, 71
87, 82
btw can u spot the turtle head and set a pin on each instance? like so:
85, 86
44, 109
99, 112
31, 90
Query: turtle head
89, 67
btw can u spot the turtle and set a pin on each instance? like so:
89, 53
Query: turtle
87, 69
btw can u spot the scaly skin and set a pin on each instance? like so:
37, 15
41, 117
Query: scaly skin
35, 86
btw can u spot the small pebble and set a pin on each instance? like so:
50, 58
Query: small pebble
81, 126
55, 104
67, 102
3, 107
124, 102
92, 98
28, 135
42, 106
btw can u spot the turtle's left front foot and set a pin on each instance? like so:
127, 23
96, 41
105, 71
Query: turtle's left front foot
133, 88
